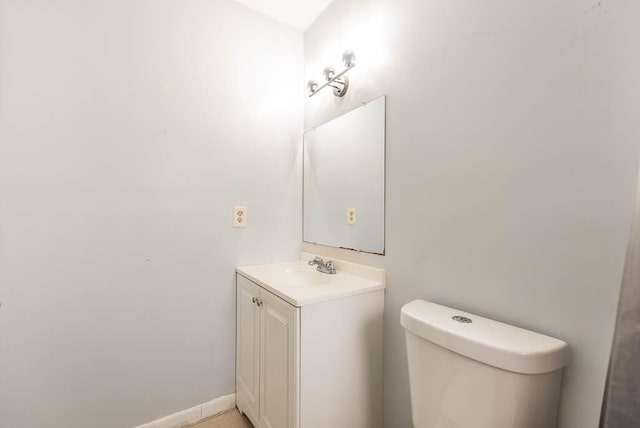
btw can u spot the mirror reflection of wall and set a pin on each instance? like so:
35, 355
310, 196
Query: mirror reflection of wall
344, 163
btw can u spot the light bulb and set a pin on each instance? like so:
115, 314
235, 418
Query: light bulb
349, 58
329, 72
312, 85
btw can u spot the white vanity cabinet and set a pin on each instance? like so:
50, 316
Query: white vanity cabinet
267, 357
308, 361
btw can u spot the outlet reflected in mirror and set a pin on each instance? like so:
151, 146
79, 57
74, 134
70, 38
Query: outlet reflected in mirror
344, 185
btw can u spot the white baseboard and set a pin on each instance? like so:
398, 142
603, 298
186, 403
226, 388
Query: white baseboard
194, 414
219, 405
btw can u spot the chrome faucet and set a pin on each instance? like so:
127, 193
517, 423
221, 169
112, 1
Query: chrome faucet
324, 267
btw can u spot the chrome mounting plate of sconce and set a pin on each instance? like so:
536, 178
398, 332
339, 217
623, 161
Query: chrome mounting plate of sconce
339, 82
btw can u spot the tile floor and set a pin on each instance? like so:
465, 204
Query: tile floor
230, 419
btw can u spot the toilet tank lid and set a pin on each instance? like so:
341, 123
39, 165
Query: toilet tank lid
485, 340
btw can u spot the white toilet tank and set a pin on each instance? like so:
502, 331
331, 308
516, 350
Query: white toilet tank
466, 371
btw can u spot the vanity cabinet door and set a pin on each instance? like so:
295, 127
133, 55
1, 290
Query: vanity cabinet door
279, 365
248, 348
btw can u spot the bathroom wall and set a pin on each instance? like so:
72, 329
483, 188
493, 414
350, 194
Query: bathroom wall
512, 147
128, 130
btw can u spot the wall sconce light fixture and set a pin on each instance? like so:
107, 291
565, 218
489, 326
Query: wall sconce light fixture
339, 82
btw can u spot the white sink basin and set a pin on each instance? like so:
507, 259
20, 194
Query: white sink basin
301, 284
301, 276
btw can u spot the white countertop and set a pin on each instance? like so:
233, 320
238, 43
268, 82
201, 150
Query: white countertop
300, 284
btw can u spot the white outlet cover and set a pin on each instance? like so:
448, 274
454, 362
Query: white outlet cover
351, 216
239, 216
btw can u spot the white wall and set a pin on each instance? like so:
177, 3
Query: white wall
512, 146
128, 130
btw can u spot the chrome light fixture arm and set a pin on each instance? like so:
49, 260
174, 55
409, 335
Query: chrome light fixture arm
339, 82
340, 79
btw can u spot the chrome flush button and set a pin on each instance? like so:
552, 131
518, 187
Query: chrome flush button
463, 320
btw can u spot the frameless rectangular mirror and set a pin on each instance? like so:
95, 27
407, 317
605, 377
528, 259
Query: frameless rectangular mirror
344, 174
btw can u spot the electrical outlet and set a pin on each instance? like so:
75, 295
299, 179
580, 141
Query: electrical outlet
239, 216
351, 216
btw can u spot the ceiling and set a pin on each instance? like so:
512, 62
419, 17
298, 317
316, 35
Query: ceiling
295, 13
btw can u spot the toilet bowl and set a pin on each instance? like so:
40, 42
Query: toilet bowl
467, 371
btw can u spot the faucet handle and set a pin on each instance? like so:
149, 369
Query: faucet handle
330, 266
316, 260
